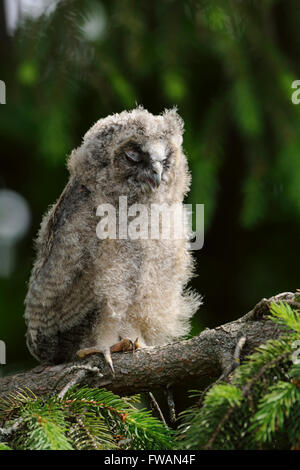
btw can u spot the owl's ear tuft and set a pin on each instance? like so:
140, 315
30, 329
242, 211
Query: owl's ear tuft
174, 120
175, 124
75, 160
81, 165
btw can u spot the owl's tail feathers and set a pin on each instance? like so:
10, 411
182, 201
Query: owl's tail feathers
58, 346
44, 348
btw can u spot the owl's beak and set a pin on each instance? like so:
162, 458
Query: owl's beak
155, 178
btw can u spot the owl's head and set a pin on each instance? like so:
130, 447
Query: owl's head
136, 153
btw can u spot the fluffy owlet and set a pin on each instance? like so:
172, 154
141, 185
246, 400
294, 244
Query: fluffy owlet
89, 294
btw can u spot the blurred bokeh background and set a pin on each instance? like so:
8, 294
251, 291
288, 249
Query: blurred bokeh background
227, 65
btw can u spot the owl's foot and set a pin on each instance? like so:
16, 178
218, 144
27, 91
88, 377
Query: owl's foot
124, 345
94, 350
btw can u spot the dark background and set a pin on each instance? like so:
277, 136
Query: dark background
228, 66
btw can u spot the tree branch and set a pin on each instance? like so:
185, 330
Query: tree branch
206, 356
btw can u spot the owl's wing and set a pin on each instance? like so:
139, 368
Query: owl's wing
60, 304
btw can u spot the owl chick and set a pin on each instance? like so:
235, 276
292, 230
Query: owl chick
85, 293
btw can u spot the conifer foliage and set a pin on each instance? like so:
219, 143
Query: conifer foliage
88, 419
260, 407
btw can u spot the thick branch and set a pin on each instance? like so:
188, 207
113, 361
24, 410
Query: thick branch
204, 357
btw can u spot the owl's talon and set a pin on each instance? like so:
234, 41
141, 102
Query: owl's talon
106, 353
108, 359
124, 345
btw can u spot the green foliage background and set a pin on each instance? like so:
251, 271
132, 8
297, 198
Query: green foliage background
228, 66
